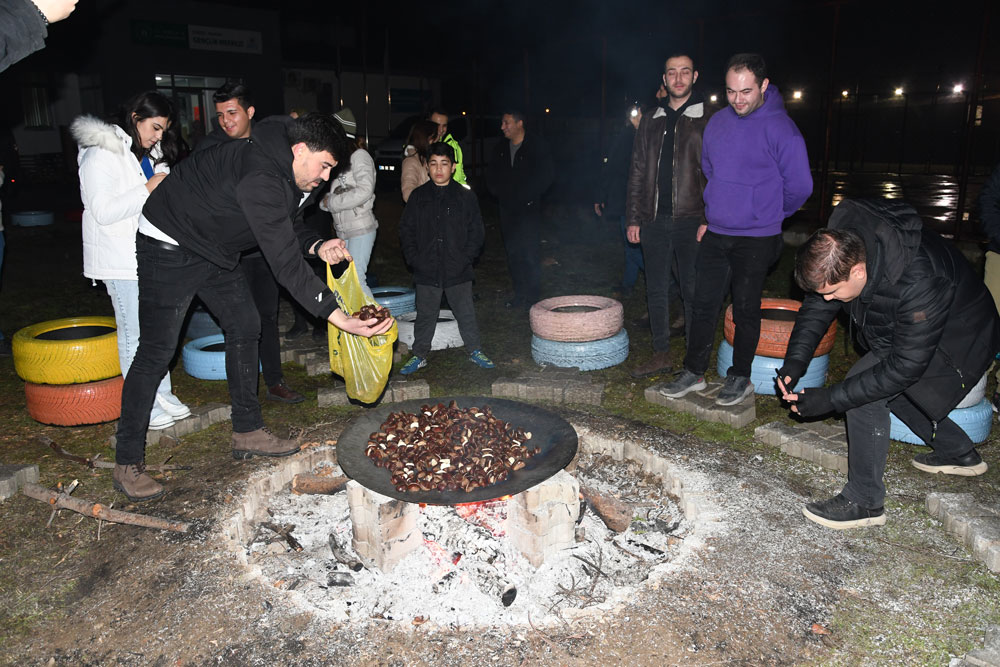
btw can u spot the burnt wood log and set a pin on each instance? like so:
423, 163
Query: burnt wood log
309, 483
615, 514
99, 511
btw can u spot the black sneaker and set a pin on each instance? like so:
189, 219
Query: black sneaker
840, 513
735, 390
969, 464
685, 383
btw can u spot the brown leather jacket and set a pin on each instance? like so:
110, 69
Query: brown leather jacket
689, 181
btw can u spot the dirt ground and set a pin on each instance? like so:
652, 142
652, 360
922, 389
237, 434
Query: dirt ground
768, 586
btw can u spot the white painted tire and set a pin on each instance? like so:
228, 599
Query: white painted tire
445, 333
577, 318
587, 356
976, 421
975, 394
762, 370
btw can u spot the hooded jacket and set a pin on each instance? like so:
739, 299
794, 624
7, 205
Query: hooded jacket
441, 234
757, 169
352, 197
923, 312
239, 195
113, 190
688, 182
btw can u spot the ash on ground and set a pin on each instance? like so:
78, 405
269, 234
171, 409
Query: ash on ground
467, 574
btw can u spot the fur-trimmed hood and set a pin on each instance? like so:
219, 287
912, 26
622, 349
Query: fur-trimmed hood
90, 131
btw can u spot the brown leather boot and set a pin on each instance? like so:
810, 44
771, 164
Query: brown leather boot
133, 481
262, 443
283, 393
659, 363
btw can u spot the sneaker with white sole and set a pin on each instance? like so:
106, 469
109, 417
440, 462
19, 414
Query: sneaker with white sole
413, 365
734, 390
969, 464
840, 513
478, 358
685, 383
159, 419
172, 406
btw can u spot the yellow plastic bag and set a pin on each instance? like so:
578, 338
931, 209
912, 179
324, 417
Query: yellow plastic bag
364, 363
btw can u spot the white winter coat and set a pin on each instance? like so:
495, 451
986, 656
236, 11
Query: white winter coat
113, 189
352, 197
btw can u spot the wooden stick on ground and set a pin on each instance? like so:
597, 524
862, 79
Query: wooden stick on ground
615, 514
309, 483
99, 511
95, 462
285, 533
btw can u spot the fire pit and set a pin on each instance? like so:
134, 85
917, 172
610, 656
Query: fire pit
552, 434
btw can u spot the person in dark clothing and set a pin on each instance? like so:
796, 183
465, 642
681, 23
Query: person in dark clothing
441, 234
24, 26
665, 206
989, 220
930, 329
518, 174
214, 205
611, 196
234, 111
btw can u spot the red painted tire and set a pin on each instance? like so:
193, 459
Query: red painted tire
774, 332
576, 319
75, 404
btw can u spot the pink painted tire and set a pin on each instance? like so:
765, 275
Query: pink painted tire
576, 319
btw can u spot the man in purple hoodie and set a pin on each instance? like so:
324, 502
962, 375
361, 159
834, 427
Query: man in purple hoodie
755, 161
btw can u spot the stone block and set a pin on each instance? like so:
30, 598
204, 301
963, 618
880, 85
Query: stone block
742, 414
329, 396
828, 430
593, 443
560, 488
984, 533
769, 433
505, 388
992, 559
13, 477
583, 392
653, 395
537, 389
408, 390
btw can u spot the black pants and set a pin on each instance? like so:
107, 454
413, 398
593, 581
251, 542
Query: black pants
264, 289
667, 244
428, 307
724, 262
868, 440
522, 241
168, 280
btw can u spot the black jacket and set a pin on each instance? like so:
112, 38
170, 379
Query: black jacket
239, 195
614, 174
989, 209
22, 31
521, 185
923, 313
441, 233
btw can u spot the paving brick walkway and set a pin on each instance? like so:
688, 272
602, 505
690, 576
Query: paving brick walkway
549, 383
702, 405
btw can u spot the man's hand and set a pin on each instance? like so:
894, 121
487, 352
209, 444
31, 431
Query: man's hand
358, 327
661, 93
55, 10
334, 251
598, 207
701, 232
632, 233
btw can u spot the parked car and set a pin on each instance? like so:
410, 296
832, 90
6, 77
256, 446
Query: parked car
388, 153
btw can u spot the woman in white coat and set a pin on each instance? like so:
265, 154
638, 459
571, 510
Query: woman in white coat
120, 164
352, 198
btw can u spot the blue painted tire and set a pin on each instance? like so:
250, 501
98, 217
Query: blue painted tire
762, 370
398, 300
975, 421
201, 324
205, 358
32, 218
589, 356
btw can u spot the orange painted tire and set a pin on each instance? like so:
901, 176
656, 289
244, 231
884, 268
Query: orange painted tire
75, 404
576, 319
774, 333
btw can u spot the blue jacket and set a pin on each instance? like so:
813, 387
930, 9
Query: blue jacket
757, 169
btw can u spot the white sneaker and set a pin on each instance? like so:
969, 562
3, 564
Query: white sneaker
172, 406
159, 420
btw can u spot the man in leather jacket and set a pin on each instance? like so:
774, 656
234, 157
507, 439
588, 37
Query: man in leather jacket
930, 328
664, 206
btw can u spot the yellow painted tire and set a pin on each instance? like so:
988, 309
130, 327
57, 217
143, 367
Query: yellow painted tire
67, 351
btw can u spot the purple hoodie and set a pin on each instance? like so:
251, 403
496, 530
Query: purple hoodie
757, 169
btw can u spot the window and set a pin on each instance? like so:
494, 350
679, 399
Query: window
35, 102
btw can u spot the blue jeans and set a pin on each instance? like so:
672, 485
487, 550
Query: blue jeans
360, 248
168, 280
125, 300
633, 260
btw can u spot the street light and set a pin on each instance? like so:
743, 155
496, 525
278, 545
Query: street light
714, 98
797, 94
547, 110
898, 92
843, 93
958, 89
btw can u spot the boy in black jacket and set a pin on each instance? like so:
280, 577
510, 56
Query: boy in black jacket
441, 233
